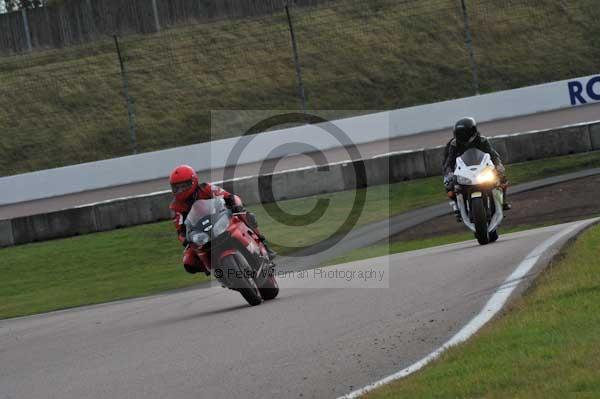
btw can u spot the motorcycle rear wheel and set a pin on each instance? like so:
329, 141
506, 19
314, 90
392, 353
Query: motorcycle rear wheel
270, 289
244, 284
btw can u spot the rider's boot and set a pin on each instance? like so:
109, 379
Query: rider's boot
456, 211
458, 216
506, 206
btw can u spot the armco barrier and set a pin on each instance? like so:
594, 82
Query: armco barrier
298, 183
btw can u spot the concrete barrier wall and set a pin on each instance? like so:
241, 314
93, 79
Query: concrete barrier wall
529, 146
595, 136
434, 157
361, 129
6, 233
300, 183
131, 212
66, 223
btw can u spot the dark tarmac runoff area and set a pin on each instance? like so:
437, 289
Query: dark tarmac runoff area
561, 203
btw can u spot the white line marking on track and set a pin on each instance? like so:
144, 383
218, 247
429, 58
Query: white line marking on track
491, 308
218, 182
389, 154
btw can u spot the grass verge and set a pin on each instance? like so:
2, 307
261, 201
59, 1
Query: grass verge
546, 346
90, 269
146, 259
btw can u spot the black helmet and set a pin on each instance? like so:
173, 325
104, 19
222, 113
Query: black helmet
465, 131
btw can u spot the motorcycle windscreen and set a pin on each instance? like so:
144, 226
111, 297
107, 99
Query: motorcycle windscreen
472, 157
201, 209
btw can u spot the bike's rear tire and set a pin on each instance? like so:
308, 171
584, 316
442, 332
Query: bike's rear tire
480, 220
244, 284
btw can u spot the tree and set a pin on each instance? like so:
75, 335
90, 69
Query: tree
14, 5
10, 5
32, 3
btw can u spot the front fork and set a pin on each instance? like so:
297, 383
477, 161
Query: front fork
497, 217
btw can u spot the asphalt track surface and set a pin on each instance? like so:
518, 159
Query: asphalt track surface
539, 121
309, 342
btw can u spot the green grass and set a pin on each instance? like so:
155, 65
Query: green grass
546, 346
146, 259
90, 269
542, 168
66, 106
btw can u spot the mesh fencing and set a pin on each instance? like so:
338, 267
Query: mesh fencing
70, 105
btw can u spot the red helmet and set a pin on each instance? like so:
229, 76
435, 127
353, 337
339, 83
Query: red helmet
184, 182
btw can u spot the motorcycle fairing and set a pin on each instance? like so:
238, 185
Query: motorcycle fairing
468, 167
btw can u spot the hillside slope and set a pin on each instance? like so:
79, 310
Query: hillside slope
66, 106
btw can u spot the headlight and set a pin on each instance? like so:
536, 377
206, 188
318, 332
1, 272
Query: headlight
221, 225
200, 238
463, 180
487, 176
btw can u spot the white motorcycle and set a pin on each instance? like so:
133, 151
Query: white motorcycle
479, 195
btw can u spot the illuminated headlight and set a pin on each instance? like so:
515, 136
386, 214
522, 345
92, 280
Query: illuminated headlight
487, 176
463, 180
200, 238
221, 225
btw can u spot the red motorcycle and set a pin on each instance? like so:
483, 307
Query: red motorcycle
228, 247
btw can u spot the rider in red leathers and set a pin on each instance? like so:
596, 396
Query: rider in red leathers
186, 190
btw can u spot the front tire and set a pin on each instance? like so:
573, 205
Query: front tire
244, 283
480, 220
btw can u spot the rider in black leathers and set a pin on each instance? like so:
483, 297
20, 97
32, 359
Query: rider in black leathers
467, 136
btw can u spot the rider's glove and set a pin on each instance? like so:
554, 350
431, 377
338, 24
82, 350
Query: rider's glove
449, 181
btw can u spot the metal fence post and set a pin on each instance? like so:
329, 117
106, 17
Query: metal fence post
130, 110
469, 43
91, 22
155, 12
296, 60
26, 28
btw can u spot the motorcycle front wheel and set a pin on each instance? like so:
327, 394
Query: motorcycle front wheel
480, 220
243, 281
